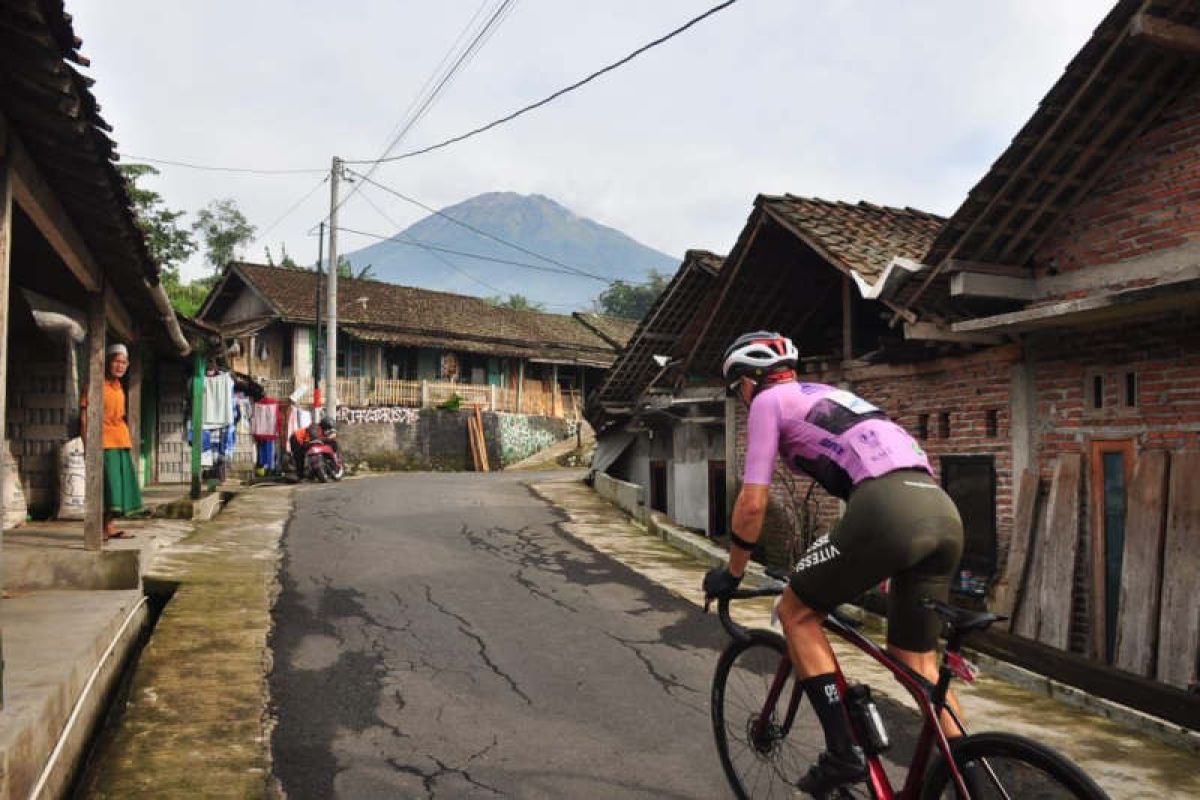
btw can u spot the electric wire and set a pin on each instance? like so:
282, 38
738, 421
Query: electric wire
499, 13
551, 97
211, 168
567, 268
291, 209
412, 240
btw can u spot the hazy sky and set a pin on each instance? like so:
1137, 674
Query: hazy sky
899, 103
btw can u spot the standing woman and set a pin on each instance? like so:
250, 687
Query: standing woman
122, 495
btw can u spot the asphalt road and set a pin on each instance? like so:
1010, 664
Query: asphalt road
438, 636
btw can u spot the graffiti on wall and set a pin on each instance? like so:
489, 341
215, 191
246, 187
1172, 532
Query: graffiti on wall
388, 414
522, 436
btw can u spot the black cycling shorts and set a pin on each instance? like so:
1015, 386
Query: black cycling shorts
900, 526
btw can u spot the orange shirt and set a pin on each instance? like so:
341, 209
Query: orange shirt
115, 432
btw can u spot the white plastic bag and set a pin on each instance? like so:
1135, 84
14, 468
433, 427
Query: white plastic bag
12, 493
72, 494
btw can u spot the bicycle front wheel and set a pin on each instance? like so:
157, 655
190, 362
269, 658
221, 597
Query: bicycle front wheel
767, 735
1004, 765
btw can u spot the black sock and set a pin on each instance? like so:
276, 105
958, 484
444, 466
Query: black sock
822, 691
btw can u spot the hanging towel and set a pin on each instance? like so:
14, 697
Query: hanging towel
263, 423
218, 400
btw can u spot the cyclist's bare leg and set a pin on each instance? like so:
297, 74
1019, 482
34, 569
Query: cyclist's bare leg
807, 643
926, 665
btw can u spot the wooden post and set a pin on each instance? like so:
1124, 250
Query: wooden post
424, 394
1059, 547
5, 252
847, 320
520, 386
492, 387
197, 420
93, 518
133, 406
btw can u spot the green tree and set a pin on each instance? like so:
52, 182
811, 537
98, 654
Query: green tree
285, 259
631, 300
518, 301
346, 270
224, 229
169, 244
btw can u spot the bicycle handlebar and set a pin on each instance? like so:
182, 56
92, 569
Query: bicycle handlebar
735, 630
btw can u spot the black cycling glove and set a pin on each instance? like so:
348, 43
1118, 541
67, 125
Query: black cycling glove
720, 582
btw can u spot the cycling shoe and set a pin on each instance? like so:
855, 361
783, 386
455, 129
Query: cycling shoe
832, 771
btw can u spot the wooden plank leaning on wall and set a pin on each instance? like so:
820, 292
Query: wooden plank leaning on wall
1141, 564
1011, 587
1179, 621
1059, 547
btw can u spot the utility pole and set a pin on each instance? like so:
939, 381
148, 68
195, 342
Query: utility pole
316, 341
331, 308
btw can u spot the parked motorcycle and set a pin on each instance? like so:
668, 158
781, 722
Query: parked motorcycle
322, 459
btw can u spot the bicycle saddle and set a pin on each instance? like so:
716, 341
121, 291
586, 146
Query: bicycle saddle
962, 620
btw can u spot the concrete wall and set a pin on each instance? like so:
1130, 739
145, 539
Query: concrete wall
629, 497
694, 446
433, 439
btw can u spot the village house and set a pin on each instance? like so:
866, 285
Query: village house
401, 346
1043, 344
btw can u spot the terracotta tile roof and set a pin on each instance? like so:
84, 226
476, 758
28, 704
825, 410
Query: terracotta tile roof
862, 237
617, 330
418, 317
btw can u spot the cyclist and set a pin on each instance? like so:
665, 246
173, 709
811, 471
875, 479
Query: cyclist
898, 524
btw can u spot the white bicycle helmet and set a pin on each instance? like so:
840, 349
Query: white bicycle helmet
757, 355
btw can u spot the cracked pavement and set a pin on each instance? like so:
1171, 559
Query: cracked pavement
439, 635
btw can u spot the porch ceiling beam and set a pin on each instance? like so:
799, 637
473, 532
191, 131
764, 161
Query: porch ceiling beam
36, 199
974, 284
1164, 33
928, 332
117, 316
955, 265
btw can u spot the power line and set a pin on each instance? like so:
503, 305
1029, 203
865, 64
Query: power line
422, 106
439, 249
210, 168
563, 267
549, 98
291, 209
435, 254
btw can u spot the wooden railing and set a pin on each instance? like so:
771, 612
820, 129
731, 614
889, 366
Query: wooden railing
366, 392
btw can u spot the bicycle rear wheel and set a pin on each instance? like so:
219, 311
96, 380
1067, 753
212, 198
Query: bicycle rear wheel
1005, 765
762, 751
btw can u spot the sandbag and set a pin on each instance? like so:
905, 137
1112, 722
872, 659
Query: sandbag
11, 492
72, 482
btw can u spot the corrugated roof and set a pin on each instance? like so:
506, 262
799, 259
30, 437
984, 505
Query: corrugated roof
861, 237
421, 317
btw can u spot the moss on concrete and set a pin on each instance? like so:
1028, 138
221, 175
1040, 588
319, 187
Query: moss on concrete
195, 722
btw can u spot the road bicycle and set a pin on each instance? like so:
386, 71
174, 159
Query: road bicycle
768, 736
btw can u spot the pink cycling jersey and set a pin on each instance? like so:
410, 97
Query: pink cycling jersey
832, 435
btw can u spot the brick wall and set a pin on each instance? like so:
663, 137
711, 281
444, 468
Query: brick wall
1162, 355
1149, 200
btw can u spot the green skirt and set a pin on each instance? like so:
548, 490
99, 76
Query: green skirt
122, 495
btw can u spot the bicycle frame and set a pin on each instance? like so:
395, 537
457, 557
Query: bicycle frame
930, 699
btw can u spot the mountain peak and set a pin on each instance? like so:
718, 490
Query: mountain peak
548, 249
